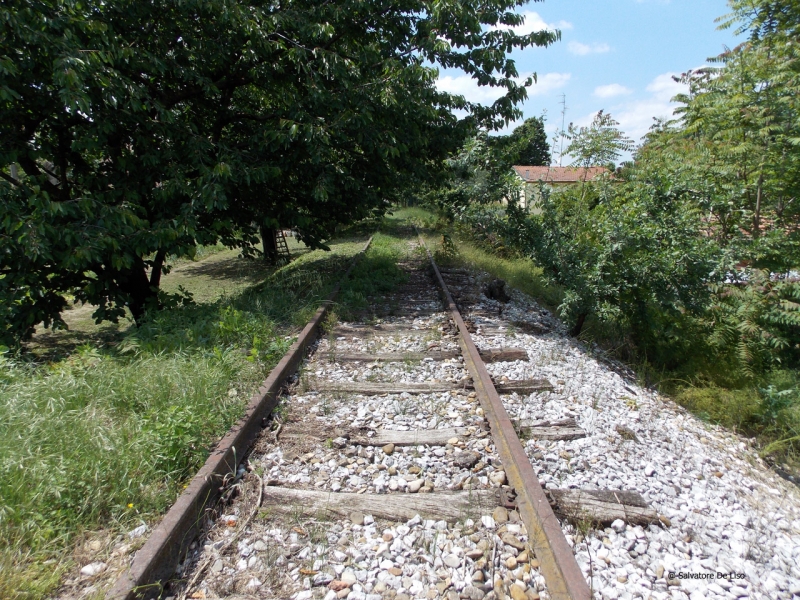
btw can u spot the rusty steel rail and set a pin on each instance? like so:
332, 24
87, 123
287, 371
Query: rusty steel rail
156, 561
557, 562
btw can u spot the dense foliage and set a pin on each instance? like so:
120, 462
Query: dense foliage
526, 145
133, 131
693, 246
687, 260
629, 254
480, 172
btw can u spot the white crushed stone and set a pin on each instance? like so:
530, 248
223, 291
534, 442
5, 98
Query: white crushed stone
363, 557
727, 512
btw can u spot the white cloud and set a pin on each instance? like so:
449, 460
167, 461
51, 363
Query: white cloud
665, 87
611, 90
534, 22
466, 86
636, 117
549, 82
584, 49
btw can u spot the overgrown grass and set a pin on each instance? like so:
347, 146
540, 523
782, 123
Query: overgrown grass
377, 273
766, 407
519, 272
102, 441
105, 437
216, 272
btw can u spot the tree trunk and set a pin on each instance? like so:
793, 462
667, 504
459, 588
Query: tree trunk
155, 271
269, 245
757, 212
141, 293
576, 330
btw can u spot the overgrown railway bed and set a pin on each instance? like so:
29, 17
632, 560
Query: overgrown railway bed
402, 462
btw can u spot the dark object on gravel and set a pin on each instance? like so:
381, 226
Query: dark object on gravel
626, 433
466, 460
496, 290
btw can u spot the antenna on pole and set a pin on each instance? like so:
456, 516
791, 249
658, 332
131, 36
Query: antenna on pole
563, 116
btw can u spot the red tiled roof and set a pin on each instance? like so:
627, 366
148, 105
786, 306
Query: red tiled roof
559, 174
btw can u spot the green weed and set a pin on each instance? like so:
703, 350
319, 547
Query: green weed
97, 441
105, 436
377, 273
518, 272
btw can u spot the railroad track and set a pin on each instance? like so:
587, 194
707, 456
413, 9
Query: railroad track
389, 469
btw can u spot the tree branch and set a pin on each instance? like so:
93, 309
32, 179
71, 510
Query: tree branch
32, 169
10, 179
221, 85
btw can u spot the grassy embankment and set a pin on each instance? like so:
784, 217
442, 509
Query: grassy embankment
102, 425
766, 407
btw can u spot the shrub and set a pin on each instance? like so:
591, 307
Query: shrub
756, 324
624, 252
736, 409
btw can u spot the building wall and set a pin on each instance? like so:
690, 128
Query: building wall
529, 195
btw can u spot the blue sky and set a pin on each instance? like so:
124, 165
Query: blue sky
616, 55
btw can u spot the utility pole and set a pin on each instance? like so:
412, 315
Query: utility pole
563, 116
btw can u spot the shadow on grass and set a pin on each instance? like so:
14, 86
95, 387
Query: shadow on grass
254, 320
52, 346
272, 299
235, 268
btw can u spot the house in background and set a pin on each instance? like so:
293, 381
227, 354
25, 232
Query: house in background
555, 177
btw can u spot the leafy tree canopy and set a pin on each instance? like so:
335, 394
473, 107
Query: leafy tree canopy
132, 131
601, 143
526, 145
736, 141
480, 171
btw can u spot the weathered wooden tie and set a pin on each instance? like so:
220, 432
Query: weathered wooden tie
447, 506
383, 329
381, 437
418, 437
489, 330
489, 355
601, 506
523, 386
367, 388
563, 429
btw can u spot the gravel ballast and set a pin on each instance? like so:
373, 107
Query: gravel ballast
728, 526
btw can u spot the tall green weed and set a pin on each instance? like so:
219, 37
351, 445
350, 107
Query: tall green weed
376, 273
99, 441
105, 438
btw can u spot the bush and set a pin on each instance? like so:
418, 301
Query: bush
626, 253
756, 324
736, 409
